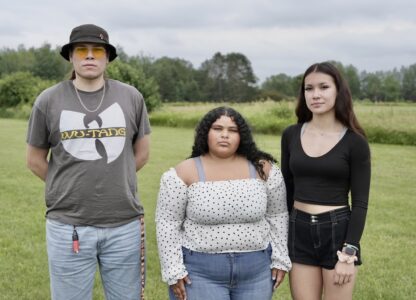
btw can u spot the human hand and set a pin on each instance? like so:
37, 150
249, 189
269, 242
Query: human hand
343, 272
178, 288
277, 276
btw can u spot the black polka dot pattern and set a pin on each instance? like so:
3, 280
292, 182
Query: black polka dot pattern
219, 217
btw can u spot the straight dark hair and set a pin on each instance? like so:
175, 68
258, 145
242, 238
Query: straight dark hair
344, 111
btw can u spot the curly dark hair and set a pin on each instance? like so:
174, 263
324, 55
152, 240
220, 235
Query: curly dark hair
343, 103
247, 147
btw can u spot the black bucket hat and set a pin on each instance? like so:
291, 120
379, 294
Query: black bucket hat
89, 33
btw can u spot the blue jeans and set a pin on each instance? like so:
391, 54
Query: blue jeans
117, 251
228, 276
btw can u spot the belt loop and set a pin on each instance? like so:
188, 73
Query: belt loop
293, 214
333, 215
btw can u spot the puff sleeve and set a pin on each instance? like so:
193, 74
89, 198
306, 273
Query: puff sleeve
278, 218
170, 214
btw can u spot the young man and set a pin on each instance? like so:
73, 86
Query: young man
96, 132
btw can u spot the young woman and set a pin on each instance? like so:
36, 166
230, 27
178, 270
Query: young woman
325, 156
221, 218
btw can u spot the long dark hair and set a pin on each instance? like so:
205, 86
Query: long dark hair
343, 103
247, 147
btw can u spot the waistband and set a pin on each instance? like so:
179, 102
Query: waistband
191, 252
329, 216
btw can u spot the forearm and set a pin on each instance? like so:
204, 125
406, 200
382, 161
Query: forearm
141, 160
36, 161
40, 169
141, 151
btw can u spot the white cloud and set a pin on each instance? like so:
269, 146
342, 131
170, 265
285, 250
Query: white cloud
276, 36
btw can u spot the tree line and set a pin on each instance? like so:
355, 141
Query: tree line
25, 72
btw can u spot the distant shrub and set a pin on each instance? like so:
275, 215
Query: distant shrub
272, 94
174, 119
388, 136
20, 88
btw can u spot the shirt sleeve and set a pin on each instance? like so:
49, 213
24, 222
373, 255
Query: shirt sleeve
360, 174
277, 217
142, 118
170, 214
287, 174
38, 131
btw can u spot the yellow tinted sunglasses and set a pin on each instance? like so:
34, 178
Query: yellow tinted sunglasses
82, 52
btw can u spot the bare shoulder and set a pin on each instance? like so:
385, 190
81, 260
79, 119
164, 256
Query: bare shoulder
186, 170
267, 166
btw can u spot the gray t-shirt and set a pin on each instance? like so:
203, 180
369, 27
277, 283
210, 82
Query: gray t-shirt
91, 176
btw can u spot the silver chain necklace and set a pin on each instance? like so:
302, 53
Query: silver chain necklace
80, 101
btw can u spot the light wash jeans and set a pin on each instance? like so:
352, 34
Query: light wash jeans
228, 276
117, 251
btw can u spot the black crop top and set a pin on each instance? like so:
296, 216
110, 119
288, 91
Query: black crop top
327, 179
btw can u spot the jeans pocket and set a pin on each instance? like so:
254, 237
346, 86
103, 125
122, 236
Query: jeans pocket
339, 233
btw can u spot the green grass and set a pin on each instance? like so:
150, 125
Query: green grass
389, 241
386, 123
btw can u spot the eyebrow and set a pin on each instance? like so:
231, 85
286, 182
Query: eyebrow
320, 83
218, 125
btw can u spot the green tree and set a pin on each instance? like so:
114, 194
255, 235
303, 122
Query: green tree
49, 64
175, 78
296, 84
372, 87
147, 86
228, 77
278, 85
213, 77
409, 83
143, 62
21, 88
391, 88
350, 73
12, 60
353, 79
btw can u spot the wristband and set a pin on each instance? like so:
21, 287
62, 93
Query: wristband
344, 258
349, 249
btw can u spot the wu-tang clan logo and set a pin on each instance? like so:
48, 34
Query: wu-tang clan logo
94, 141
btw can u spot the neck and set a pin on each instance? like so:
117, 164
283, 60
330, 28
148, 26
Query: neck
88, 85
326, 122
216, 158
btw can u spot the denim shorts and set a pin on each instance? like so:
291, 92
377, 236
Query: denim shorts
315, 239
224, 276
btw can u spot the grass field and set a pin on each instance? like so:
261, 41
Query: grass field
389, 241
385, 123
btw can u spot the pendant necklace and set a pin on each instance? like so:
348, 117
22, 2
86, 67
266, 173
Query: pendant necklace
80, 101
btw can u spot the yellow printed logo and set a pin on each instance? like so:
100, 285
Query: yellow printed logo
80, 140
93, 133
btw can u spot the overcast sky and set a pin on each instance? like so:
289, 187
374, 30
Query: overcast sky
276, 36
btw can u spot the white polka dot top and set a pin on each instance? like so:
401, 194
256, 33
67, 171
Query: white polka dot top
220, 216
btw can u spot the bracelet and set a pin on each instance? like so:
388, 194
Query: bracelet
344, 258
351, 246
349, 249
